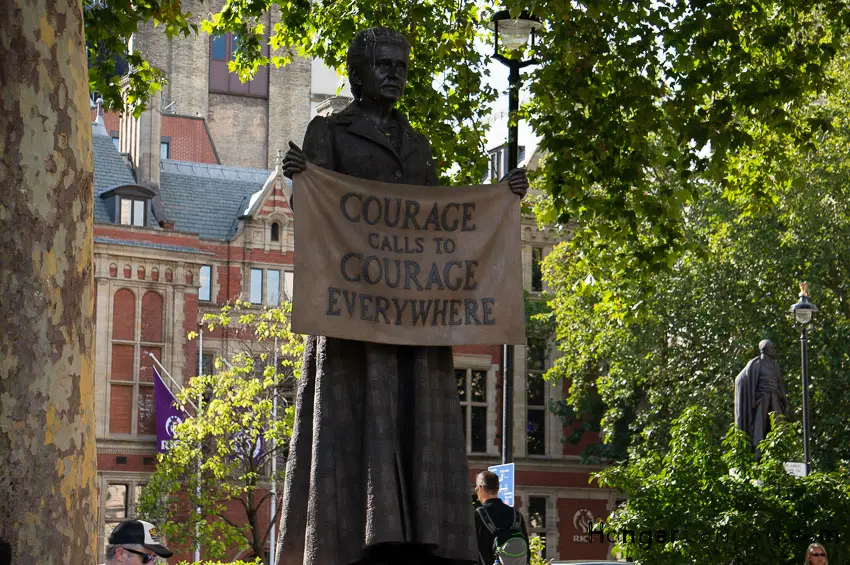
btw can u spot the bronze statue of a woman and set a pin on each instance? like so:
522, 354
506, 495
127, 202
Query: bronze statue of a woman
377, 471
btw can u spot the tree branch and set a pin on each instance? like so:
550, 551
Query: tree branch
226, 519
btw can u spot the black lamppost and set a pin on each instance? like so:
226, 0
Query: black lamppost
803, 312
511, 35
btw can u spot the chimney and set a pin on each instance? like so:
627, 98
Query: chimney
98, 127
141, 138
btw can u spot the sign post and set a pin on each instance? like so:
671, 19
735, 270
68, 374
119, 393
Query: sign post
796, 469
506, 482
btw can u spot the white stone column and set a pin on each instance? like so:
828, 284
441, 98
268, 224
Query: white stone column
102, 331
520, 405
176, 335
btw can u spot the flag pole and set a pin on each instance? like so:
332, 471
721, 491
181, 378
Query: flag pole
163, 371
200, 404
274, 465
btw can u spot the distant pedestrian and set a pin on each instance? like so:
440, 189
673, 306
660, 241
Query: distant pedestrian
134, 542
816, 555
500, 529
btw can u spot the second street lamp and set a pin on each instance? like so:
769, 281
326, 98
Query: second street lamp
803, 312
511, 35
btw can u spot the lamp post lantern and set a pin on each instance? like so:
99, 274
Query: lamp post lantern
511, 35
803, 312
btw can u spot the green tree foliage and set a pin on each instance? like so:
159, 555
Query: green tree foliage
539, 318
638, 103
109, 25
708, 502
222, 455
536, 546
634, 102
640, 358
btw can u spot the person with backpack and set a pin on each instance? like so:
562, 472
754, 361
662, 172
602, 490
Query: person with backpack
499, 528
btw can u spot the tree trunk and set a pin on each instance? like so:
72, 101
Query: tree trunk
251, 511
47, 440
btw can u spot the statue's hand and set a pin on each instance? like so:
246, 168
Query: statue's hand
294, 162
517, 182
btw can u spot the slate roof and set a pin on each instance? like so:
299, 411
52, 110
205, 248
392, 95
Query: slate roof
207, 199
109, 172
199, 198
221, 172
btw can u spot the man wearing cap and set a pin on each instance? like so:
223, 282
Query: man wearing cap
134, 542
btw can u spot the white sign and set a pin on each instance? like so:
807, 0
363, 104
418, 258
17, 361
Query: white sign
796, 469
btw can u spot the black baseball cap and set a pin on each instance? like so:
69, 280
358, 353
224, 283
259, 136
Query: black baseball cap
139, 532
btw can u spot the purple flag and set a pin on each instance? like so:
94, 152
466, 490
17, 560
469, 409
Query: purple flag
168, 415
259, 449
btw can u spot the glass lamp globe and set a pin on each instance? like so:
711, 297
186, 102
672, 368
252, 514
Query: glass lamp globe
513, 33
803, 310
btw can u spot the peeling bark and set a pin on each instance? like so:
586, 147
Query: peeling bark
47, 445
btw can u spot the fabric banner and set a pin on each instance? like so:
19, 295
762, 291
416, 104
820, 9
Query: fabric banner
168, 415
401, 264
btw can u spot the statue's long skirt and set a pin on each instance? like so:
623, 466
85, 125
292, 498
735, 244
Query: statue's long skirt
377, 457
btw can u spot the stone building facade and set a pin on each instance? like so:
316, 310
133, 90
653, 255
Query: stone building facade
249, 122
173, 241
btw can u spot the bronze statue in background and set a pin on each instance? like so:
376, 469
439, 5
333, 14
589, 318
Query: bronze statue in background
759, 391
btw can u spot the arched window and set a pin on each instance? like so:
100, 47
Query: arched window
275, 231
132, 406
122, 378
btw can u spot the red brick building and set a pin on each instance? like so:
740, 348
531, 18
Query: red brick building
173, 240
177, 234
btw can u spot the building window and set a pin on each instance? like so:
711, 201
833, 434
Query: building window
499, 162
116, 142
261, 361
537, 521
218, 48
273, 288
472, 393
256, 286
265, 287
496, 165
537, 269
536, 397
117, 502
222, 49
208, 366
164, 149
136, 333
288, 285
133, 211
275, 235
205, 292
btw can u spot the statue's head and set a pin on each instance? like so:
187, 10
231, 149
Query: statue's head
767, 347
377, 64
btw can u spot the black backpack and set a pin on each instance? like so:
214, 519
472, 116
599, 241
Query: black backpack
509, 545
